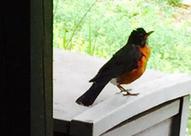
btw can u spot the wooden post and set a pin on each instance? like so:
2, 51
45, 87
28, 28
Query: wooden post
41, 68
184, 115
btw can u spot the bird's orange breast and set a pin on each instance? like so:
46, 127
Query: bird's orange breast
129, 77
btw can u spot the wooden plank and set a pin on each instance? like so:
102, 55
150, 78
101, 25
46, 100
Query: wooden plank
116, 109
144, 122
41, 68
184, 115
48, 64
161, 129
179, 122
110, 104
175, 125
61, 126
37, 98
75, 67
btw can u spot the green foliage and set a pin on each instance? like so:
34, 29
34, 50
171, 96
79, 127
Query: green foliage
174, 2
102, 27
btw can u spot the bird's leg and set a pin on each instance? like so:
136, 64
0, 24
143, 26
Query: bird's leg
121, 88
126, 91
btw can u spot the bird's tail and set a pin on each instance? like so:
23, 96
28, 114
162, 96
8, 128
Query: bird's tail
91, 94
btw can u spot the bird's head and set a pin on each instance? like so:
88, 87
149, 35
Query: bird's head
139, 37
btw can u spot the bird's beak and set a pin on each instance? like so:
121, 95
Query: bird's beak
149, 33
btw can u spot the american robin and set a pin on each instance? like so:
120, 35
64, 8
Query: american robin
125, 66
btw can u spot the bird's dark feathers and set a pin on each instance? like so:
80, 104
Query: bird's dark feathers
123, 60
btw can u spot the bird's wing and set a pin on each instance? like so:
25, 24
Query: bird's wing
126, 59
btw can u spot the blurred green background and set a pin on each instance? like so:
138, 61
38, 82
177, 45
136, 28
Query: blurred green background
101, 27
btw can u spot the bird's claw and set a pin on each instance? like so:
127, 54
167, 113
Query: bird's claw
132, 94
126, 92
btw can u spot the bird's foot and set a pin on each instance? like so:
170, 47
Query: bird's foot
126, 92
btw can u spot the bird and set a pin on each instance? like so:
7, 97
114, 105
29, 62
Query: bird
124, 67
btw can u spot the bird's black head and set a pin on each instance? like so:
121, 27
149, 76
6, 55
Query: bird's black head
139, 37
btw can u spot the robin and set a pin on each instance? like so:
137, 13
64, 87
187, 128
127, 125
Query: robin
125, 66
